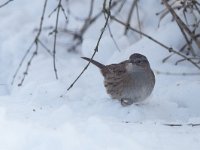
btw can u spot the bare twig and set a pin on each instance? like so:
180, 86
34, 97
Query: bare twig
45, 47
166, 58
21, 62
87, 23
29, 64
181, 23
113, 39
111, 35
176, 74
78, 36
55, 37
167, 124
4, 4
187, 9
179, 125
99, 39
121, 6
156, 41
29, 49
181, 60
138, 19
130, 16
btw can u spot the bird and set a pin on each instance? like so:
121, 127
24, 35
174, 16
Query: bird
130, 81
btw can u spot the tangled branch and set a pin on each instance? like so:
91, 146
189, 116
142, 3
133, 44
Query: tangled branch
36, 42
189, 30
88, 22
170, 49
107, 11
168, 124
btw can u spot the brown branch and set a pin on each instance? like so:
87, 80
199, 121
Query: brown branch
111, 35
99, 39
45, 47
55, 37
167, 124
59, 8
154, 40
29, 64
180, 125
181, 60
181, 23
138, 19
166, 58
87, 24
4, 4
121, 6
173, 125
130, 16
64, 13
176, 74
21, 62
88, 19
36, 40
113, 39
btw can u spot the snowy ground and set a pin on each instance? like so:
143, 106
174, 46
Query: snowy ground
34, 116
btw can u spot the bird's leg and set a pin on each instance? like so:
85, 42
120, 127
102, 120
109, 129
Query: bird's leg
126, 101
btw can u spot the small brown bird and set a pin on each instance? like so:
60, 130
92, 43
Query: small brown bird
130, 81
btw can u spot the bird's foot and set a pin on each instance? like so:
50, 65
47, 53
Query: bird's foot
126, 101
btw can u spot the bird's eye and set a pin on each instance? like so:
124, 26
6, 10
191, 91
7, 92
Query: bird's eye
138, 61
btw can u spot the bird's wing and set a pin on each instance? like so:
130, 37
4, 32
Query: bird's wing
117, 69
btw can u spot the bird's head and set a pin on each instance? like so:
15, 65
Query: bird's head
137, 63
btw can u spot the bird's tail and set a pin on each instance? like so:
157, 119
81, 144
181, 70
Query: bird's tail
99, 65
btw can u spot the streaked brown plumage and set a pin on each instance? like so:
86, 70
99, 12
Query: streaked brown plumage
130, 81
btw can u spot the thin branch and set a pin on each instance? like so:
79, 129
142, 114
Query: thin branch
87, 21
86, 25
176, 74
90, 20
64, 13
4, 4
21, 62
138, 19
55, 37
99, 39
111, 35
45, 47
130, 16
121, 6
181, 23
181, 60
166, 58
154, 40
29, 64
167, 124
113, 39
180, 125
29, 49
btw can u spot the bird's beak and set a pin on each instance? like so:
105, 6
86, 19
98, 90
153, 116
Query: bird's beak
129, 61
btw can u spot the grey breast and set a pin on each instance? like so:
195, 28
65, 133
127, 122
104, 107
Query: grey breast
144, 84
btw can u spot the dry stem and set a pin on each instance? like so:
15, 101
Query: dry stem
4, 4
36, 40
170, 49
107, 11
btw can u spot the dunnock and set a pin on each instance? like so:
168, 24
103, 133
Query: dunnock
130, 81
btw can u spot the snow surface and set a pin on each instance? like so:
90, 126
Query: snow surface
36, 116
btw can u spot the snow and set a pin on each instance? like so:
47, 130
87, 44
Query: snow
41, 114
